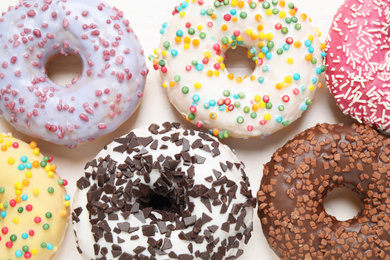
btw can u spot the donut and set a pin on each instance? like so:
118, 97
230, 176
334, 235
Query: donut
105, 95
358, 62
34, 205
163, 192
301, 174
280, 41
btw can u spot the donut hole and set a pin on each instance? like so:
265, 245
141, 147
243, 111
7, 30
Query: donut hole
160, 202
238, 63
343, 203
64, 70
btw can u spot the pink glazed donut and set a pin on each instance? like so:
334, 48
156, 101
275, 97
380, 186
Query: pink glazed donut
96, 103
358, 61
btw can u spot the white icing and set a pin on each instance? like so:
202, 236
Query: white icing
212, 88
83, 227
103, 97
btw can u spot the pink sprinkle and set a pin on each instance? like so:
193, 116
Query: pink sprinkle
65, 23
250, 128
102, 126
4, 65
106, 91
296, 91
84, 13
15, 145
12, 203
263, 122
84, 117
120, 77
31, 13
89, 110
98, 93
53, 128
54, 15
95, 33
140, 95
119, 60
286, 98
18, 73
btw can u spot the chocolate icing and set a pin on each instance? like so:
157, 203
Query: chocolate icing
301, 174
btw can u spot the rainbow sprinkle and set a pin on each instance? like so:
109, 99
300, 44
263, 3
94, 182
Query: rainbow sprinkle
26, 227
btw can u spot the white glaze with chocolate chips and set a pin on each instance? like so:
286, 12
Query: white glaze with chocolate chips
209, 172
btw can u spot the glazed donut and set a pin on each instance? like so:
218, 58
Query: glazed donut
279, 39
301, 174
34, 206
175, 193
358, 61
95, 104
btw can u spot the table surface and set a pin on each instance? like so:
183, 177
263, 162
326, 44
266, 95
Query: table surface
146, 18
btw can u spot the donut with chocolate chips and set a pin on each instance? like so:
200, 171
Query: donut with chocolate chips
302, 173
163, 193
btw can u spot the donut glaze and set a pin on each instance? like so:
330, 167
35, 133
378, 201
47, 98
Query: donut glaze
280, 41
34, 206
301, 174
102, 98
358, 61
163, 193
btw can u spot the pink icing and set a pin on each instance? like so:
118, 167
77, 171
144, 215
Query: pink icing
358, 61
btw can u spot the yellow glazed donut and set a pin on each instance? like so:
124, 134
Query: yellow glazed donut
34, 206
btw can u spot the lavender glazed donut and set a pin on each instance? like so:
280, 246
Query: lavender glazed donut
101, 99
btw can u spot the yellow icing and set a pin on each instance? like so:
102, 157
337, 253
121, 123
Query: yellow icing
36, 182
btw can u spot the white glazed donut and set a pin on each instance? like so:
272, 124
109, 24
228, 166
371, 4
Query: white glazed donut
280, 40
163, 193
95, 104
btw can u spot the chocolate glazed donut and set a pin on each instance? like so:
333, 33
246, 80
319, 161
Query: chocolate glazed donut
301, 174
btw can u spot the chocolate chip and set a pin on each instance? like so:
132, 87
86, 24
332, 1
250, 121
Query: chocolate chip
83, 183
139, 249
167, 244
189, 220
148, 230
